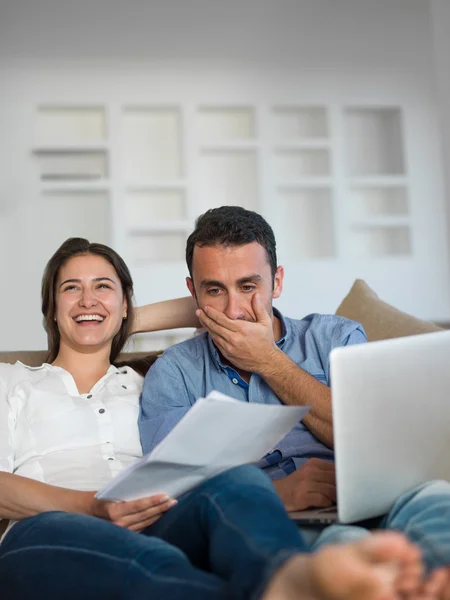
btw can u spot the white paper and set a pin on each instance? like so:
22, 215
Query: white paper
216, 434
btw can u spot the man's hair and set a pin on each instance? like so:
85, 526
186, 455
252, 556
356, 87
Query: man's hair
232, 226
82, 247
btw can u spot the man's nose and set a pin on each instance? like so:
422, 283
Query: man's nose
233, 309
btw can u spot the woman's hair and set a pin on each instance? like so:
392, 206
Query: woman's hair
76, 247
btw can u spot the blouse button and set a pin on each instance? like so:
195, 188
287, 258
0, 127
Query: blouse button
124, 387
90, 396
110, 458
101, 410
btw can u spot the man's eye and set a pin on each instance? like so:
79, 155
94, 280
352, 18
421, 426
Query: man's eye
248, 288
214, 291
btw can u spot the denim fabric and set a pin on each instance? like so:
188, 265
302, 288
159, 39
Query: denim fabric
423, 514
222, 541
192, 369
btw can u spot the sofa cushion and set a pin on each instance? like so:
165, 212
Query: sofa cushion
380, 320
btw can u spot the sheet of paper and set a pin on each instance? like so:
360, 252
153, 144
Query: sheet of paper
218, 433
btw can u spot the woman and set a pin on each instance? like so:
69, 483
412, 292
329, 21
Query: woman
67, 427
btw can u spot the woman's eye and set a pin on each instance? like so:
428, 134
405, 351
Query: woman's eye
70, 287
104, 286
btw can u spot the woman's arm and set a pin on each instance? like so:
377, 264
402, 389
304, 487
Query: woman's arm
21, 497
168, 314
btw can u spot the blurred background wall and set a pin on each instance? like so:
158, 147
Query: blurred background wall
122, 122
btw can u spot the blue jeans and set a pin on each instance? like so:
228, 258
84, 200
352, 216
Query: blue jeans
224, 540
423, 514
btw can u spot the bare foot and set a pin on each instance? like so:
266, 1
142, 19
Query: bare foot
384, 566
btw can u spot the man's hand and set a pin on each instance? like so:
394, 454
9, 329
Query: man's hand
249, 345
312, 485
135, 515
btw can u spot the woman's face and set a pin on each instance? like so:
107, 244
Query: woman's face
90, 304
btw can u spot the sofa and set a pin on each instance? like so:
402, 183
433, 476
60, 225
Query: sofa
379, 319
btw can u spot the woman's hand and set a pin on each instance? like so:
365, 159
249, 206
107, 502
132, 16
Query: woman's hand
135, 515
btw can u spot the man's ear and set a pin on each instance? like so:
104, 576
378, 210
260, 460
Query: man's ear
190, 287
278, 282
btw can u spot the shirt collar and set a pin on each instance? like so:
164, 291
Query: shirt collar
43, 366
214, 353
112, 368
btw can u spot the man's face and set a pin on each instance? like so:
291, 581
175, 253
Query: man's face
227, 277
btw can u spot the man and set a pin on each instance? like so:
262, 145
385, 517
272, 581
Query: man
253, 353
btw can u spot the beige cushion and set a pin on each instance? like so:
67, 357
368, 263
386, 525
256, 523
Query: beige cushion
380, 320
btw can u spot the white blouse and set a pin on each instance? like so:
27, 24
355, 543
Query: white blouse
52, 433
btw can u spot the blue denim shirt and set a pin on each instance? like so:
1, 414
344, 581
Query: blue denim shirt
192, 369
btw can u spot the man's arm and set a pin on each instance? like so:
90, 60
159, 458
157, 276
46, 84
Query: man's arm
295, 386
164, 402
250, 346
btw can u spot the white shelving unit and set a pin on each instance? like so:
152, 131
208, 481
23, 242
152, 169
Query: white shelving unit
333, 188
301, 148
377, 183
227, 159
71, 159
155, 189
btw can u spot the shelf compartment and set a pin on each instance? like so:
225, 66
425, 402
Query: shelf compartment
227, 178
158, 227
305, 223
229, 146
300, 123
294, 164
152, 143
226, 124
374, 140
309, 144
72, 214
74, 186
147, 186
147, 206
71, 165
56, 125
366, 202
151, 247
305, 182
381, 241
71, 147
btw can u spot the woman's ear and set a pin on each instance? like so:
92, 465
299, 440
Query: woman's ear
125, 309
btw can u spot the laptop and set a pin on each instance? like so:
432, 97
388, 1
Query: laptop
391, 423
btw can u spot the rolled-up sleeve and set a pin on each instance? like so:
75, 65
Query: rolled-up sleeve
164, 402
7, 425
346, 333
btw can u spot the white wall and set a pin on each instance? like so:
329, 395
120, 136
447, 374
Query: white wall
180, 45
308, 33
